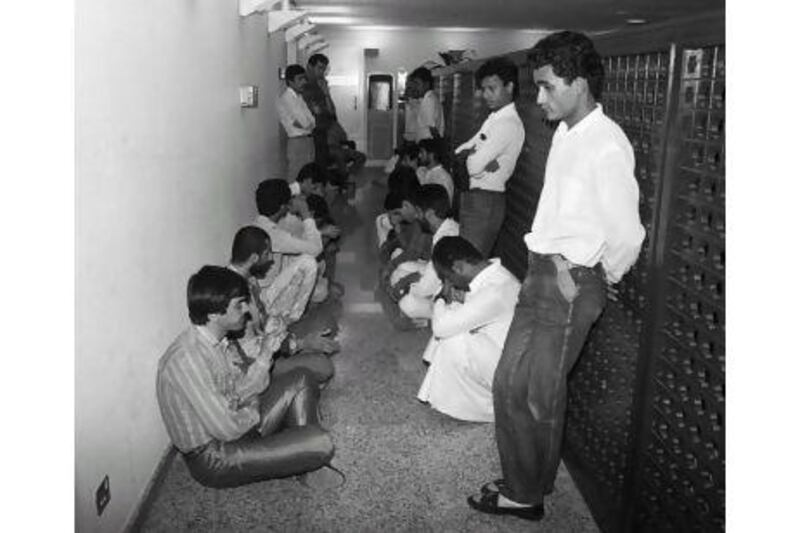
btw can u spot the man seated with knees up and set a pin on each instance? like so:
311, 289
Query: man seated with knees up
234, 425
431, 169
251, 257
314, 181
407, 241
415, 283
342, 151
295, 277
401, 182
470, 323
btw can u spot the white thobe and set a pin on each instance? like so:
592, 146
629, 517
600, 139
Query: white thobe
467, 343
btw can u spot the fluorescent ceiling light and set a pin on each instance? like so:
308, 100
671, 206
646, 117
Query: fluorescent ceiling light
323, 19
327, 10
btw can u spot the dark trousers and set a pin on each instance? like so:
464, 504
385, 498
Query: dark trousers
530, 383
288, 440
481, 214
318, 365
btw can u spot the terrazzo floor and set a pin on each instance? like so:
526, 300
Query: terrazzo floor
408, 467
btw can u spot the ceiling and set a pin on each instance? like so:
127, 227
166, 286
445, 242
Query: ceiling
584, 15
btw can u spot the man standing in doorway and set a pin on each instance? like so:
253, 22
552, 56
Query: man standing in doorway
297, 121
491, 156
586, 232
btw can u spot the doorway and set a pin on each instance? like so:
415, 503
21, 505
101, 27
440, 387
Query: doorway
380, 115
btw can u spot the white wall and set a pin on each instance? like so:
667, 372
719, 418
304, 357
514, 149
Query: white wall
404, 48
166, 166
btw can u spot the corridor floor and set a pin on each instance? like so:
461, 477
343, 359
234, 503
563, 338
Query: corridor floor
408, 468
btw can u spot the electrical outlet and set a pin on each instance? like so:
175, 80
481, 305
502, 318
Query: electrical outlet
102, 495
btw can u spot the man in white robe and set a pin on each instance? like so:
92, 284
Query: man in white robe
470, 323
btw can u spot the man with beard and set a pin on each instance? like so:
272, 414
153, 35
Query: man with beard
235, 424
251, 258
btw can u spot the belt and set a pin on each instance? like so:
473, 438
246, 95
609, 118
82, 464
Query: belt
301, 136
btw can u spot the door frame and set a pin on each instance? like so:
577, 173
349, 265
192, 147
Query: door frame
365, 99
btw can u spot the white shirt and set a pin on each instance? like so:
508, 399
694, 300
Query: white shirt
411, 123
283, 242
430, 284
429, 114
500, 138
488, 306
589, 207
291, 107
438, 176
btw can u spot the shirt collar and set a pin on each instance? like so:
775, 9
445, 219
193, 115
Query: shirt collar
243, 273
507, 109
484, 275
586, 122
448, 222
207, 336
263, 221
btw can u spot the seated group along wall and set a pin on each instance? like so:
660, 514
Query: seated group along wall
645, 433
166, 167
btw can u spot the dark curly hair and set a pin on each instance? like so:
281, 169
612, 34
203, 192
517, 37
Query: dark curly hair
503, 68
571, 55
211, 289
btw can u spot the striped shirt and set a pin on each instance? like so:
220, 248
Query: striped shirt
203, 394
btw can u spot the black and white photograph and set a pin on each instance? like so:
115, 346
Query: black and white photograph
401, 266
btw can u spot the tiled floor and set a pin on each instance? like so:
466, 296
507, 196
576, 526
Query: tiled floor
408, 468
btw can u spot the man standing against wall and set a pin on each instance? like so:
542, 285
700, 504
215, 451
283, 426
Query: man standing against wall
491, 156
429, 113
318, 97
586, 233
297, 121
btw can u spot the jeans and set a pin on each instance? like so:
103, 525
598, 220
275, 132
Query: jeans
481, 214
530, 384
287, 441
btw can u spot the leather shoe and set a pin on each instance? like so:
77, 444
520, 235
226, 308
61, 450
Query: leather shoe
487, 503
493, 486
499, 484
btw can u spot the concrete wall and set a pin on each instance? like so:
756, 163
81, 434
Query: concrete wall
166, 166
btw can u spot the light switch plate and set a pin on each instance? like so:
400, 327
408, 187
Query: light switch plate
248, 96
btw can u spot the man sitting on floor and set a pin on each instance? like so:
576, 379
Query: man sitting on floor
251, 257
294, 277
314, 182
470, 323
431, 170
233, 425
407, 241
415, 283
